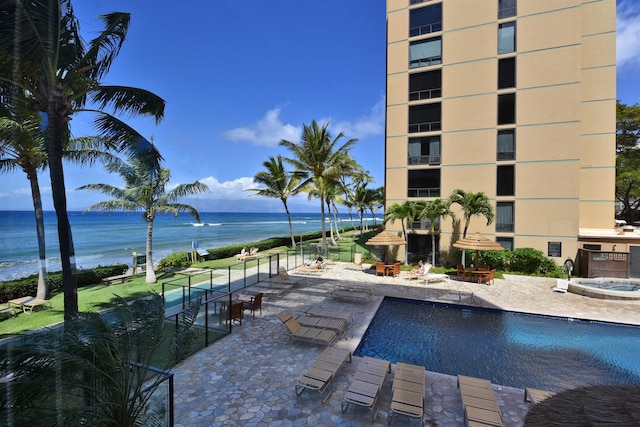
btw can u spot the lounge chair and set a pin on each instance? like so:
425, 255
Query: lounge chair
305, 333
408, 392
479, 402
333, 314
562, 285
352, 292
534, 395
255, 303
364, 389
28, 303
337, 325
319, 376
435, 277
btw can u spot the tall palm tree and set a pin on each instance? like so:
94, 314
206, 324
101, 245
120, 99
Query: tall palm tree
321, 160
145, 190
401, 213
46, 67
432, 211
278, 184
472, 204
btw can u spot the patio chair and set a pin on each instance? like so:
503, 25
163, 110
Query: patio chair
255, 303
319, 376
479, 402
380, 268
305, 333
332, 314
408, 392
462, 272
364, 390
486, 277
235, 314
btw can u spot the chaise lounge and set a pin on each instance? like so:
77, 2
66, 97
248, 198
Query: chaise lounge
305, 333
319, 376
332, 314
28, 303
336, 325
479, 402
408, 392
367, 382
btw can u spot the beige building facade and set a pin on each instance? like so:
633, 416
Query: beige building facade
514, 98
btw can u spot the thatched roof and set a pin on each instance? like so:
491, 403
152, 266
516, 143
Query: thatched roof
478, 242
385, 238
594, 405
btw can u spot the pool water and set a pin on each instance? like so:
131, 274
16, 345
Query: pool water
613, 286
511, 349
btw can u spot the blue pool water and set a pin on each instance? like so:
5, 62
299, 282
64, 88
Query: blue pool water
511, 349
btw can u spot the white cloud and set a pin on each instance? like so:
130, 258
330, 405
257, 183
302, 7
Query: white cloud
371, 124
628, 34
228, 189
267, 131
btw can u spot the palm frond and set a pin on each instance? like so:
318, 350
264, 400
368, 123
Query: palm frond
123, 99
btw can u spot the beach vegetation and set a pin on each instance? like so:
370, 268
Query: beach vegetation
48, 69
433, 211
278, 183
472, 204
145, 190
321, 160
402, 213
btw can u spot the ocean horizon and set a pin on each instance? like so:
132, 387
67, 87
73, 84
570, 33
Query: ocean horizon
105, 238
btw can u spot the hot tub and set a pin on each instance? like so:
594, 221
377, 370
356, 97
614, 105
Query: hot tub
606, 288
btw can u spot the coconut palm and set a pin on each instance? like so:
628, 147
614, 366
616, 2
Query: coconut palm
401, 213
46, 67
145, 190
321, 160
432, 211
278, 184
472, 204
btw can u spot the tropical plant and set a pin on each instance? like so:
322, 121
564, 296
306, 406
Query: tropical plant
47, 68
472, 204
402, 213
278, 184
432, 211
320, 160
93, 371
628, 161
145, 190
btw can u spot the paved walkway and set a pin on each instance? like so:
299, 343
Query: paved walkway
248, 377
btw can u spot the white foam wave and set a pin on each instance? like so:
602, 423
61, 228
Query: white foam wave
214, 224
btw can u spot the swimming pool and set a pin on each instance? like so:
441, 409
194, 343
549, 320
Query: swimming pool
511, 349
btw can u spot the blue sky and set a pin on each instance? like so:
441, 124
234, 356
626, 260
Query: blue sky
239, 77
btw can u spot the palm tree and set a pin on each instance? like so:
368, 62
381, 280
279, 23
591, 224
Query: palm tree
472, 204
278, 184
319, 158
47, 68
401, 213
145, 190
432, 211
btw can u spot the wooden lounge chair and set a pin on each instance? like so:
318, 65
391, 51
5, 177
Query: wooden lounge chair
306, 333
534, 395
408, 392
353, 292
332, 314
319, 376
29, 303
337, 325
364, 390
479, 402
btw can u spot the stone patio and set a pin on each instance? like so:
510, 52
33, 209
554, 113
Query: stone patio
248, 377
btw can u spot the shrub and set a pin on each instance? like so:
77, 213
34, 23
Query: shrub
175, 260
533, 261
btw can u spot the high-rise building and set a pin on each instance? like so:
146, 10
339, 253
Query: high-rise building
516, 99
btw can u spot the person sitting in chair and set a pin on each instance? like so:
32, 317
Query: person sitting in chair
419, 270
315, 264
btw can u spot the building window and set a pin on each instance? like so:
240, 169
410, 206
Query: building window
506, 37
507, 72
412, 2
424, 224
425, 20
506, 144
425, 85
504, 217
505, 242
424, 183
592, 247
425, 118
505, 180
506, 108
424, 53
424, 151
506, 8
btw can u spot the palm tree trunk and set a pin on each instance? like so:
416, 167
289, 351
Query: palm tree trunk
151, 274
433, 248
54, 141
43, 289
324, 229
293, 238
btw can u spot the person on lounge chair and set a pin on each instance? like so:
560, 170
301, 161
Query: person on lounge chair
419, 270
315, 264
242, 254
253, 251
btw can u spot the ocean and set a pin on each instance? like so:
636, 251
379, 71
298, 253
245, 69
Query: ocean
104, 238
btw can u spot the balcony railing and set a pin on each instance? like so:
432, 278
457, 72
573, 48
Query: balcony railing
423, 192
425, 62
504, 227
425, 94
425, 160
425, 29
506, 155
425, 127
